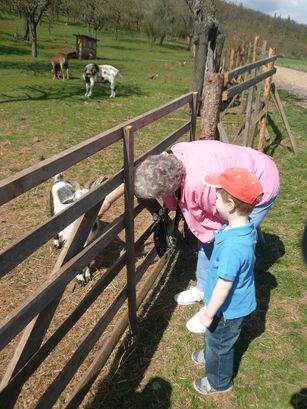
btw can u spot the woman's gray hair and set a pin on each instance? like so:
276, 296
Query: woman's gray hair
158, 175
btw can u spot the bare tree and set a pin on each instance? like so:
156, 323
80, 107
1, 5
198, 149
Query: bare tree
32, 12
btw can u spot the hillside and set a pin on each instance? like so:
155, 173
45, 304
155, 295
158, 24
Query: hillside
241, 24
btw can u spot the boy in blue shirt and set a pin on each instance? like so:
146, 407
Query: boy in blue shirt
230, 293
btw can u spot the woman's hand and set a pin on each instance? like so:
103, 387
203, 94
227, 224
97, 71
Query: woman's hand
110, 199
104, 207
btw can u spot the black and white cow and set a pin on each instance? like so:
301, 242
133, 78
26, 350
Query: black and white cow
62, 195
99, 73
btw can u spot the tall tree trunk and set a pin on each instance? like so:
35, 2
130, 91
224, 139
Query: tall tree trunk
206, 34
26, 35
33, 25
162, 38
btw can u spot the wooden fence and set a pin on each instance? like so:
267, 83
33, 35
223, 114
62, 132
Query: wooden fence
33, 317
252, 84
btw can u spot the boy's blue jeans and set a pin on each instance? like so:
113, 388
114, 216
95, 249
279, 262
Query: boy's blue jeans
220, 339
205, 249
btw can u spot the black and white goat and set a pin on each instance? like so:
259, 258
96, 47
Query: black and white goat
100, 73
62, 195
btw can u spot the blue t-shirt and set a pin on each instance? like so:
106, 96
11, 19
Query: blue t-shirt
233, 259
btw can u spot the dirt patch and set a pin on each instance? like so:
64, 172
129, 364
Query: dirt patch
293, 81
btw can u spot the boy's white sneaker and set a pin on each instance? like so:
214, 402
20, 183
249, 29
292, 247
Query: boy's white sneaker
194, 324
190, 296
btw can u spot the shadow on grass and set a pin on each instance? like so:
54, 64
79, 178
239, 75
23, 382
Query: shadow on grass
273, 145
57, 92
299, 400
122, 387
17, 50
121, 48
254, 325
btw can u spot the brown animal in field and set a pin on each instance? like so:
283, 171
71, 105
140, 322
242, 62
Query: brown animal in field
59, 63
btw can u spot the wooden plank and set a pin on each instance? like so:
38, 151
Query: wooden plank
34, 362
194, 110
109, 343
231, 92
241, 127
58, 385
249, 111
257, 105
54, 390
225, 107
129, 224
266, 99
24, 180
222, 132
34, 333
166, 143
19, 183
247, 68
52, 288
22, 248
284, 118
243, 95
19, 318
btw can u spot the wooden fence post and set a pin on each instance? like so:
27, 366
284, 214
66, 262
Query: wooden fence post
226, 66
278, 104
232, 58
266, 97
223, 63
257, 104
243, 98
193, 116
214, 83
129, 223
256, 41
250, 96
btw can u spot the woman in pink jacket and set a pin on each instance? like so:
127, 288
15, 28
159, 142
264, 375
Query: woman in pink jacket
183, 167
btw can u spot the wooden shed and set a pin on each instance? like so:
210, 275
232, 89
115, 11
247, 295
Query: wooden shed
86, 47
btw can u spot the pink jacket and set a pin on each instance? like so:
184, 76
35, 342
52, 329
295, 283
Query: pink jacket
197, 201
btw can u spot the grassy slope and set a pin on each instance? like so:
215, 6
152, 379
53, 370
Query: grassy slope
41, 117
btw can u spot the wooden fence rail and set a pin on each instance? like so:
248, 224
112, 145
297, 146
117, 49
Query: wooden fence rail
230, 75
19, 183
35, 314
237, 89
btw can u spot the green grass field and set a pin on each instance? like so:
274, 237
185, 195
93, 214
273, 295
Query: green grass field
296, 64
41, 117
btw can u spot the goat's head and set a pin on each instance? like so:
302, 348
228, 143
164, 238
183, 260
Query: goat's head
90, 71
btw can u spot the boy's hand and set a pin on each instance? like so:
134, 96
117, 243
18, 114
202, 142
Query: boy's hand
206, 320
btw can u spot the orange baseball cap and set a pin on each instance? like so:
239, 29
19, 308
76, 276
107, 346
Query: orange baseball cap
239, 183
